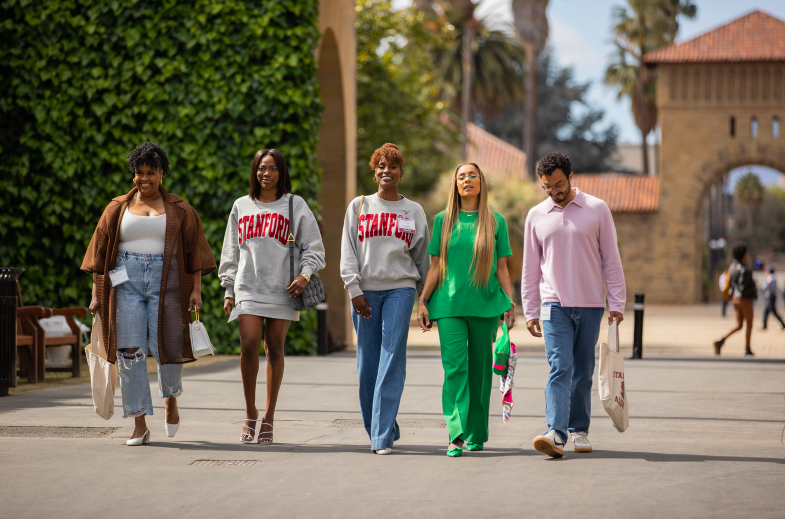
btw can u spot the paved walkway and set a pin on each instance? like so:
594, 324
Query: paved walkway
667, 331
706, 440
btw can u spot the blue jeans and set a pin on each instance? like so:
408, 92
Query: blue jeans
137, 327
381, 361
570, 337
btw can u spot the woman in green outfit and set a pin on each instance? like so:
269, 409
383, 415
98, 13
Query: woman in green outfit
467, 291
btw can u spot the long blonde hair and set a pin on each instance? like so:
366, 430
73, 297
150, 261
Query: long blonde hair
482, 258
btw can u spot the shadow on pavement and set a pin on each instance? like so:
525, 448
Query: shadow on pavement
662, 457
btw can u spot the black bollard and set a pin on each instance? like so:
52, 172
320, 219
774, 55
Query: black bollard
637, 343
322, 348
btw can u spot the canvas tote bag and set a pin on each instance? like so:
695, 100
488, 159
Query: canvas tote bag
612, 391
103, 374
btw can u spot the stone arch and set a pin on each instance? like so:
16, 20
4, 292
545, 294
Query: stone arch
336, 55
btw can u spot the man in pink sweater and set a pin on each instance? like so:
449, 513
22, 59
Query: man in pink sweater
570, 257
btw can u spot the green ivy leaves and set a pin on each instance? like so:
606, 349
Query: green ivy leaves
83, 82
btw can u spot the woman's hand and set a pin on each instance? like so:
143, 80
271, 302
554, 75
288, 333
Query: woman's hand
509, 317
94, 305
228, 306
361, 306
297, 286
422, 317
195, 300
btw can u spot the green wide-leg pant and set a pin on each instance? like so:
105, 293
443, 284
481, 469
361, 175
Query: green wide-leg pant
467, 354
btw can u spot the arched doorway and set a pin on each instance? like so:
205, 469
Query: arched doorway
758, 222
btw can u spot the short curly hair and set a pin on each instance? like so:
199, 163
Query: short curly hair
390, 153
149, 154
553, 161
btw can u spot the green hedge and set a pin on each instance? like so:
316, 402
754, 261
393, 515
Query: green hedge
83, 82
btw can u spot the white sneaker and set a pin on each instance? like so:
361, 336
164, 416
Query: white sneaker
580, 442
550, 444
387, 450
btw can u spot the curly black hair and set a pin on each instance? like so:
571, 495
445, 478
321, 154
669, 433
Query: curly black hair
149, 154
553, 161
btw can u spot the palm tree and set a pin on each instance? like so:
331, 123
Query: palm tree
531, 23
750, 193
640, 27
483, 65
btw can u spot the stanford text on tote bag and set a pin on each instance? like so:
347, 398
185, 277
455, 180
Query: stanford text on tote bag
613, 393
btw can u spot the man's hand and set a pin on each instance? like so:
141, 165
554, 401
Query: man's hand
615, 315
534, 327
361, 306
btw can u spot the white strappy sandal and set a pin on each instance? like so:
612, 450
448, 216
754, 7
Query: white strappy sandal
244, 436
265, 441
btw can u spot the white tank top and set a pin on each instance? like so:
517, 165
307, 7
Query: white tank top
142, 234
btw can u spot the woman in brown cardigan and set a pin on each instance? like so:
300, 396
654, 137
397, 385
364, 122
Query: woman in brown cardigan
147, 257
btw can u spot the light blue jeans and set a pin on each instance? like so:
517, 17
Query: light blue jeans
381, 361
137, 327
570, 337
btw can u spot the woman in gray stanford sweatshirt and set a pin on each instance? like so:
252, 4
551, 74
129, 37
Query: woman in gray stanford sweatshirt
255, 271
384, 260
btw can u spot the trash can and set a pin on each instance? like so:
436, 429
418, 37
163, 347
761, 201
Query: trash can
8, 278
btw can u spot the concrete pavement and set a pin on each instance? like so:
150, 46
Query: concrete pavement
705, 440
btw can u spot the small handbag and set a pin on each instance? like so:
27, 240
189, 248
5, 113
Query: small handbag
200, 341
501, 352
314, 290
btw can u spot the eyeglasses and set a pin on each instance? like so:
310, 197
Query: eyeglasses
463, 178
558, 186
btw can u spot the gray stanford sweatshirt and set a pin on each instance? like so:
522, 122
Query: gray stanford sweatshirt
386, 247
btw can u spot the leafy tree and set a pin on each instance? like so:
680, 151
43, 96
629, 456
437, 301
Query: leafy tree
567, 121
398, 94
483, 65
640, 27
84, 82
750, 194
531, 23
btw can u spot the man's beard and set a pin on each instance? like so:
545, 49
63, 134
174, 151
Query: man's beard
563, 196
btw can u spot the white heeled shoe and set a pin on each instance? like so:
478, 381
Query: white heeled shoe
171, 428
143, 439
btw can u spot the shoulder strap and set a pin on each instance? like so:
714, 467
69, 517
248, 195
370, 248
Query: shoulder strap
290, 238
360, 210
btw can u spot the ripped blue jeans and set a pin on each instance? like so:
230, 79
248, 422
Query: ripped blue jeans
137, 327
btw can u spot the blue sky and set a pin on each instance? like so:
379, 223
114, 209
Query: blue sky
580, 33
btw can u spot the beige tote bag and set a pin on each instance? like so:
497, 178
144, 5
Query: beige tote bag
103, 374
613, 394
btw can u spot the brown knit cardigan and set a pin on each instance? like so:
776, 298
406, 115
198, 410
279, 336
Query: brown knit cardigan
186, 252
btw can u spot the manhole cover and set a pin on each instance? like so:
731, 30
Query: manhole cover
403, 424
227, 463
13, 431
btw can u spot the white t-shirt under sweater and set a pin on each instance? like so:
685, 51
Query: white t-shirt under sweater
142, 234
255, 255
385, 247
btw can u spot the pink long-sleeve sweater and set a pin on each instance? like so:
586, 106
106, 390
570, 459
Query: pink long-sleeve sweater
565, 254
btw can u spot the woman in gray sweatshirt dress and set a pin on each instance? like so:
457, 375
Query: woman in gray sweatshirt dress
255, 272
384, 261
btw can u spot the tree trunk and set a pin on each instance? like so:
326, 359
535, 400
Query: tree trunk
642, 106
467, 65
530, 123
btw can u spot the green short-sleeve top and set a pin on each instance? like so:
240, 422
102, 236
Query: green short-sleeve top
458, 296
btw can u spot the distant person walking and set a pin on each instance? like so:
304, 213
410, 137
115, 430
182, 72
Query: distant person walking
467, 291
255, 270
147, 256
570, 257
770, 293
384, 261
744, 292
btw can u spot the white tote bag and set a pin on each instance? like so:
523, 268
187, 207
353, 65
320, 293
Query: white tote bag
200, 341
612, 391
103, 374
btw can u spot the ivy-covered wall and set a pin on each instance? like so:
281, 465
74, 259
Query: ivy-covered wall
83, 82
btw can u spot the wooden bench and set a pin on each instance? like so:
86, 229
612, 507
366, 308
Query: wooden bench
31, 342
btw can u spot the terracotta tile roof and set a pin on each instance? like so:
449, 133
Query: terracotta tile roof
622, 193
757, 36
494, 156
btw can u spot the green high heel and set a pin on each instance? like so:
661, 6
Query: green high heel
455, 453
474, 446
